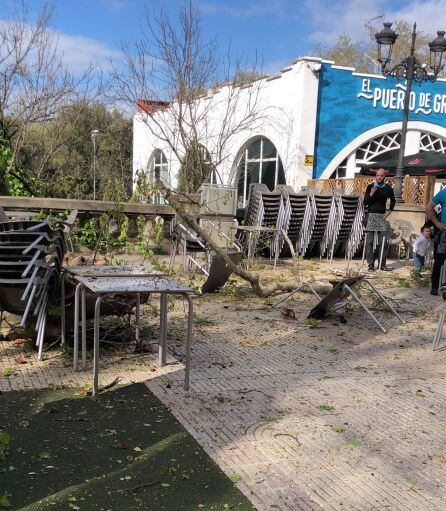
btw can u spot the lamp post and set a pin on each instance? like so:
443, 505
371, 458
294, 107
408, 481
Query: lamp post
411, 70
94, 135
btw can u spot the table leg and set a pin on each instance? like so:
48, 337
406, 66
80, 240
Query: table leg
42, 329
76, 326
84, 329
188, 342
137, 318
97, 320
163, 330
63, 326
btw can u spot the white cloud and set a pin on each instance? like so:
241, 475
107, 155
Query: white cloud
79, 51
345, 16
331, 18
430, 16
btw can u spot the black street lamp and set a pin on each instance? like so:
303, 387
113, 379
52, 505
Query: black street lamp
411, 70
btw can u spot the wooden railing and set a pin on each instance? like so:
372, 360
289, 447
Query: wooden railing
416, 189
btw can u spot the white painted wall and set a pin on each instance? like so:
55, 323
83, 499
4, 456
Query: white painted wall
288, 106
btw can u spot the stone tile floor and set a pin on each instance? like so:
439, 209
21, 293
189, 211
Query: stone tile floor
306, 417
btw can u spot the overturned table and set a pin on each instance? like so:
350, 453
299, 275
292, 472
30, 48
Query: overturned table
136, 285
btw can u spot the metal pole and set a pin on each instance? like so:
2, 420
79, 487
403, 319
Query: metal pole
97, 320
84, 328
162, 330
94, 167
439, 331
63, 315
188, 342
400, 167
364, 306
94, 135
76, 326
137, 319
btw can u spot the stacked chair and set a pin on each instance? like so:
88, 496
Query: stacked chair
307, 227
355, 237
316, 224
254, 210
349, 228
295, 206
31, 255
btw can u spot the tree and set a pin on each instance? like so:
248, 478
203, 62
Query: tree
59, 154
363, 55
173, 63
34, 82
346, 52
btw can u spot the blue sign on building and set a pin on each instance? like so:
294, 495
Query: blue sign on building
350, 104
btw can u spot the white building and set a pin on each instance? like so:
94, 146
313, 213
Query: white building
317, 120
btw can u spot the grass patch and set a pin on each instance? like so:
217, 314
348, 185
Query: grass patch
410, 480
338, 430
354, 442
403, 282
332, 349
314, 323
199, 320
122, 451
326, 408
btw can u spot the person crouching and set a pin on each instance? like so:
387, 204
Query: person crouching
420, 248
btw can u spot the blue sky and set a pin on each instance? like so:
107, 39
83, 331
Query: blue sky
279, 30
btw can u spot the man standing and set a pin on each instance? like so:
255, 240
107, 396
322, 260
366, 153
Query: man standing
440, 246
376, 196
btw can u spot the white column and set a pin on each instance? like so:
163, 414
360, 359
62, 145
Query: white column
351, 165
412, 142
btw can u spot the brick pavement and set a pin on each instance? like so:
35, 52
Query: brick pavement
340, 417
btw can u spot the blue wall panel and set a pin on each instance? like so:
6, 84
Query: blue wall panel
349, 105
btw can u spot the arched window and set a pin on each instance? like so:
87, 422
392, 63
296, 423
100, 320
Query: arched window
158, 169
259, 163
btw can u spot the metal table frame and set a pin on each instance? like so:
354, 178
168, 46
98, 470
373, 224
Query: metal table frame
80, 296
97, 271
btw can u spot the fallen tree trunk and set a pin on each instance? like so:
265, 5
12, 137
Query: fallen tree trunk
251, 277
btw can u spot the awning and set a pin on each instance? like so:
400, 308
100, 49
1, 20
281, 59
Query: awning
420, 164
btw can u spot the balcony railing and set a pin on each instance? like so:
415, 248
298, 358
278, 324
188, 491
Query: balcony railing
416, 189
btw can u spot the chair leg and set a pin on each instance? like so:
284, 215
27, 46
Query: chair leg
364, 306
439, 331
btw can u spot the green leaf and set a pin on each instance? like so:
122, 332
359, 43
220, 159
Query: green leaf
44, 455
7, 371
234, 477
4, 438
338, 430
4, 501
326, 408
165, 485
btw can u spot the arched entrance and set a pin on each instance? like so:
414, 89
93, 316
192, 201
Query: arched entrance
379, 143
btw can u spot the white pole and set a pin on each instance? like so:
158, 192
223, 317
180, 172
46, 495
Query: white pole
94, 134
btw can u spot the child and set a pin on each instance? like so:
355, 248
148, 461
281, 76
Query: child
420, 248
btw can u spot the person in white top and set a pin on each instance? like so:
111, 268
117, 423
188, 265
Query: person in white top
421, 247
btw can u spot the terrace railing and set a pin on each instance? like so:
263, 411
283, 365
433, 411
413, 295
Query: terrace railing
416, 189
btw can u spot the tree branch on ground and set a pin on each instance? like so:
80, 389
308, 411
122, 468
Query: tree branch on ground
252, 278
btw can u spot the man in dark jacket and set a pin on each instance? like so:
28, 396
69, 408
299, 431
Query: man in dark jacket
375, 199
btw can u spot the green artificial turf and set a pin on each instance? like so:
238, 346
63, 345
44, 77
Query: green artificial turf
122, 451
